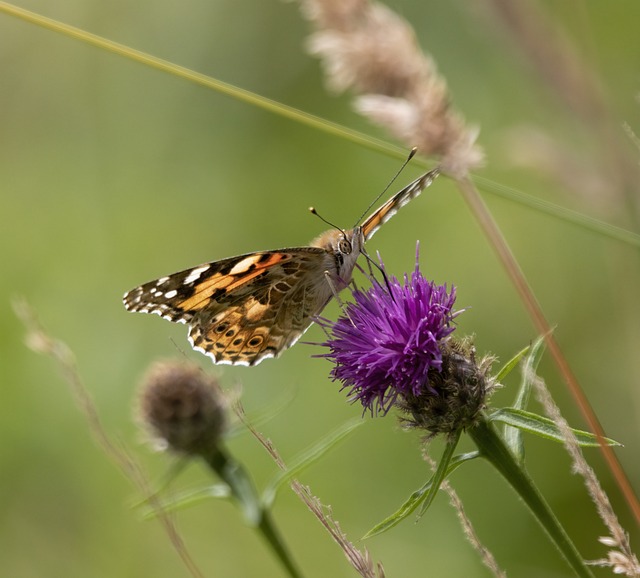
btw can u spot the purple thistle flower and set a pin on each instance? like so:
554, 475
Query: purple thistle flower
387, 341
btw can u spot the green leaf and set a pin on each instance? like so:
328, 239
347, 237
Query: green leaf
509, 365
306, 458
184, 499
417, 497
513, 436
441, 472
530, 366
542, 426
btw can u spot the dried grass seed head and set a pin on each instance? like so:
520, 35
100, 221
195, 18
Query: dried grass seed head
367, 48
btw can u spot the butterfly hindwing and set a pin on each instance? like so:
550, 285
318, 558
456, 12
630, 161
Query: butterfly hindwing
266, 317
250, 331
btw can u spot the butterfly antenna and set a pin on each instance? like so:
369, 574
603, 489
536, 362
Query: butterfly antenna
413, 152
313, 211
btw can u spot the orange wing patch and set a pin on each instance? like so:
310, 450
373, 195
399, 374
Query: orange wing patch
243, 272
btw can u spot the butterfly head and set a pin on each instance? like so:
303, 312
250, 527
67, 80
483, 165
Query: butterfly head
344, 247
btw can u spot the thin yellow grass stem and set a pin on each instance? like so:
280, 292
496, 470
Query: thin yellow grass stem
204, 80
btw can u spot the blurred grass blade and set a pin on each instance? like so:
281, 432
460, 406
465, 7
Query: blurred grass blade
417, 498
264, 414
308, 457
513, 436
563, 214
172, 473
186, 499
523, 420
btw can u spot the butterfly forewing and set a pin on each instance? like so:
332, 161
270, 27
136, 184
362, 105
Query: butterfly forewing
248, 308
241, 309
395, 203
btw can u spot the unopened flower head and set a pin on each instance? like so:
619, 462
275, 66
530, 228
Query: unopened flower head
393, 346
461, 388
182, 407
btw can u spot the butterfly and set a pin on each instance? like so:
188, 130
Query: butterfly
247, 308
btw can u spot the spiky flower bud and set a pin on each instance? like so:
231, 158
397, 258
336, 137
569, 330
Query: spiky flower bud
182, 407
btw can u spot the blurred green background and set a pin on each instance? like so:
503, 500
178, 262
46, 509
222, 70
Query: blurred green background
113, 173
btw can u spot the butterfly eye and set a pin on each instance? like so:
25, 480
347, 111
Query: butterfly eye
344, 246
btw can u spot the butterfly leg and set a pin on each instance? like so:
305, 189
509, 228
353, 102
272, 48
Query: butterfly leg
334, 289
372, 264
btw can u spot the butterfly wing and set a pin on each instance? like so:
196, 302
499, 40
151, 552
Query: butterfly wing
243, 309
393, 205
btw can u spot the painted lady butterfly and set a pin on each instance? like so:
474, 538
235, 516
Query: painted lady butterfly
244, 309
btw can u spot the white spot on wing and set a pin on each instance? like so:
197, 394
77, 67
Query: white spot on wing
195, 274
243, 266
161, 281
170, 294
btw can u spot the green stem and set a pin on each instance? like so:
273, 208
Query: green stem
493, 448
273, 538
245, 495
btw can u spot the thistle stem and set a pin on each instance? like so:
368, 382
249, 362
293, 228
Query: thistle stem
246, 496
494, 449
